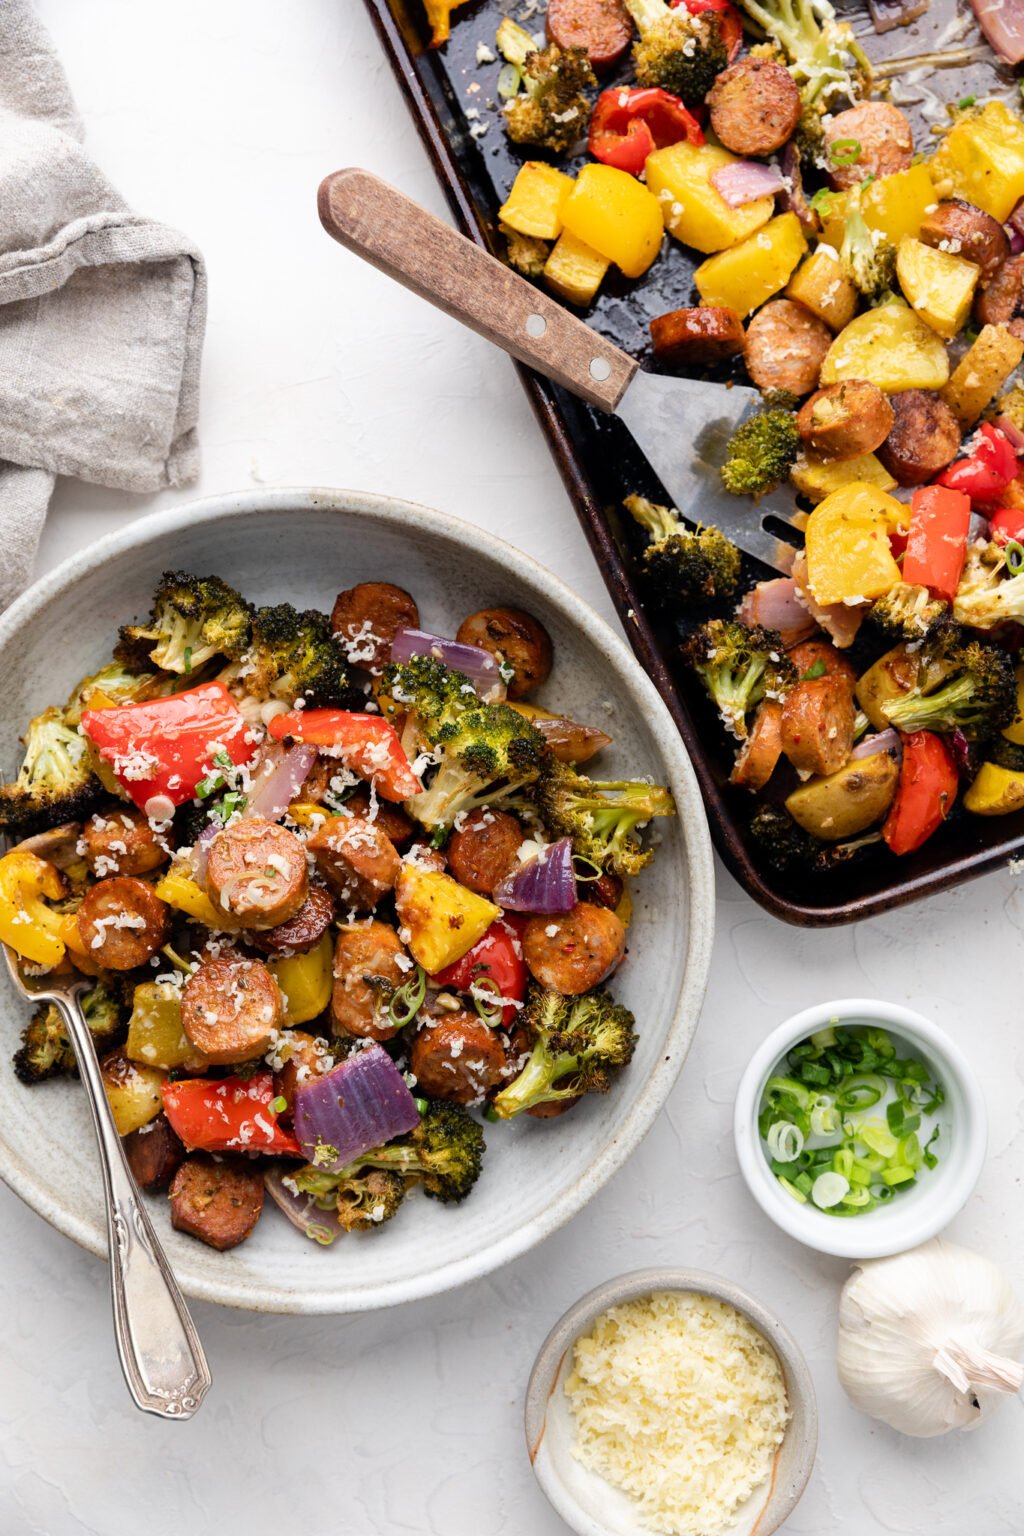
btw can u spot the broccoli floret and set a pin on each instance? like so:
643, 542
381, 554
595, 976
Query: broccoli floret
909, 612
681, 53
293, 655
816, 45
761, 453
551, 110
1006, 754
577, 1043
194, 619
55, 783
869, 260
445, 1151
426, 690
118, 684
484, 755
683, 563
525, 253
739, 666
45, 1048
787, 848
960, 687
361, 1198
988, 595
1011, 405
600, 816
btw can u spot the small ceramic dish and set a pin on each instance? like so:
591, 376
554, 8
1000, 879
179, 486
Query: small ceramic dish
916, 1214
586, 1501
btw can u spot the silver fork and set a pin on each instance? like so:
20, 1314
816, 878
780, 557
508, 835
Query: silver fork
161, 1356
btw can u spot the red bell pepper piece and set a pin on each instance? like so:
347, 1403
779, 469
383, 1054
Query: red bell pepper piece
925, 793
496, 958
629, 123
228, 1114
166, 747
1006, 524
940, 520
729, 19
987, 470
366, 743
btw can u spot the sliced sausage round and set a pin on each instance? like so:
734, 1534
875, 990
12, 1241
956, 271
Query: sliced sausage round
956, 226
873, 139
483, 850
818, 724
821, 659
365, 620
755, 106
759, 755
516, 638
154, 1153
230, 1009
122, 922
256, 873
576, 950
842, 421
217, 1201
303, 931
122, 842
693, 338
356, 860
924, 437
602, 27
303, 1057
786, 346
457, 1056
370, 964
397, 827
1003, 295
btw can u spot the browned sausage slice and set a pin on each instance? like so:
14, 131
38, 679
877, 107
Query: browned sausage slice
602, 27
692, 338
121, 842
218, 1202
961, 229
842, 421
483, 850
755, 106
356, 860
303, 931
154, 1153
786, 347
1002, 297
230, 1009
822, 660
575, 951
516, 638
457, 1056
256, 873
759, 755
924, 437
873, 139
370, 963
365, 620
122, 922
818, 724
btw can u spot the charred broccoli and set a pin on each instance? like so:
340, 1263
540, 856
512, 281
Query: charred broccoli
45, 1048
681, 53
761, 453
361, 1198
787, 848
56, 781
551, 110
684, 563
600, 817
988, 595
816, 45
117, 685
576, 1044
908, 612
960, 687
483, 756
868, 258
445, 1152
1006, 754
429, 693
194, 619
739, 666
526, 253
291, 655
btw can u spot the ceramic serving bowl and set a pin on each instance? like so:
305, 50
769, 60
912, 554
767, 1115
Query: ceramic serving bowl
914, 1215
590, 1505
303, 546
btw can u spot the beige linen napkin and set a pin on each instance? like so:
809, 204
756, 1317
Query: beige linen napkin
101, 312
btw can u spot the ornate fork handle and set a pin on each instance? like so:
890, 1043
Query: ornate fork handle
161, 1356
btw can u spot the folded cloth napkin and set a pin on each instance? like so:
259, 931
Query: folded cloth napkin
101, 312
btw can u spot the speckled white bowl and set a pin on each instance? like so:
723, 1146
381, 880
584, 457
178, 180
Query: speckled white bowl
302, 546
585, 1500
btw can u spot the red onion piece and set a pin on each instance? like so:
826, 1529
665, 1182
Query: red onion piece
361, 1103
744, 181
1015, 238
279, 776
777, 605
201, 851
887, 14
960, 751
1002, 22
300, 1209
977, 528
792, 198
472, 660
884, 741
1010, 429
545, 883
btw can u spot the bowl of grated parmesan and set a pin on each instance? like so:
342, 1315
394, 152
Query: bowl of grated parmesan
671, 1401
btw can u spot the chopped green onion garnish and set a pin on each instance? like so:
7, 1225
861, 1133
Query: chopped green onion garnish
407, 1000
816, 669
486, 996
845, 151
965, 102
1014, 553
422, 1105
279, 1105
508, 81
821, 202
208, 786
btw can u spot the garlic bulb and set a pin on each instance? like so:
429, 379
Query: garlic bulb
930, 1340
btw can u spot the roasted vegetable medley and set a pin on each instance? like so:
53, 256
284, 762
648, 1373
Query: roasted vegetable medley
338, 884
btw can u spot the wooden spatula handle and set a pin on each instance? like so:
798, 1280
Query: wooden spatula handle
409, 244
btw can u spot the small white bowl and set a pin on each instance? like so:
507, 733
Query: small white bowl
588, 1503
915, 1214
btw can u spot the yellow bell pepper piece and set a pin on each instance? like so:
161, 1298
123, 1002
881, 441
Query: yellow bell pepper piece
302, 812
305, 981
938, 285
155, 1036
133, 1091
694, 212
439, 14
574, 271
1015, 730
616, 216
442, 919
32, 929
181, 892
894, 205
849, 559
818, 478
983, 156
995, 792
821, 285
744, 277
534, 205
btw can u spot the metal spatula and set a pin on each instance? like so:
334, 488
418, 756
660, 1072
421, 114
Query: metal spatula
682, 426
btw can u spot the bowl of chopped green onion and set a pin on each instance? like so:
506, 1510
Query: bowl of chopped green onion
860, 1128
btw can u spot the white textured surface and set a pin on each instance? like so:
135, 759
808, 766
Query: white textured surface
223, 117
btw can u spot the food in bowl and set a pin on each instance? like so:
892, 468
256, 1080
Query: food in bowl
680, 1402
337, 885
